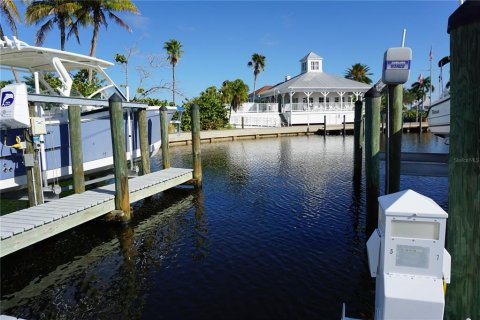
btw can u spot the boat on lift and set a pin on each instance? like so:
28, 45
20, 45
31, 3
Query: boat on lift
50, 86
438, 116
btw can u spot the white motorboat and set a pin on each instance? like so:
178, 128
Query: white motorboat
41, 65
438, 116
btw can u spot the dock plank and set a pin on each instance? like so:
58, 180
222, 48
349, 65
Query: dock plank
18, 215
5, 234
14, 219
28, 226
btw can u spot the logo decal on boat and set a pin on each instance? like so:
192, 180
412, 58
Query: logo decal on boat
7, 98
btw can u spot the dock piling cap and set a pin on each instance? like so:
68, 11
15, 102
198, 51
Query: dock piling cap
409, 203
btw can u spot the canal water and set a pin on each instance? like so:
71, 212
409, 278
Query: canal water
278, 232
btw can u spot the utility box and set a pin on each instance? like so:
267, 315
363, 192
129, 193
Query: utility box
407, 256
396, 65
14, 107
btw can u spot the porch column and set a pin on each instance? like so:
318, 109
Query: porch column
324, 94
308, 94
291, 107
341, 94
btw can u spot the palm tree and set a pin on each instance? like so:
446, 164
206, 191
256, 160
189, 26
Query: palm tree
236, 92
58, 12
95, 12
258, 64
9, 12
359, 72
421, 88
174, 52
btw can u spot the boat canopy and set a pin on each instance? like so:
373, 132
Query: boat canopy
19, 54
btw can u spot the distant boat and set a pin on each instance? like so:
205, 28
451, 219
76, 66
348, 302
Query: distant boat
438, 116
42, 65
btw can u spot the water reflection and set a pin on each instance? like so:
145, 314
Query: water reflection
276, 232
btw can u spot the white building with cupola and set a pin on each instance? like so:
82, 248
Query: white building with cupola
304, 99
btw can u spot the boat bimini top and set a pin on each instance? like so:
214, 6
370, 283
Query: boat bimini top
16, 54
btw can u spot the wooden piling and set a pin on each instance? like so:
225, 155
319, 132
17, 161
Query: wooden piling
372, 151
34, 182
324, 126
344, 129
394, 137
122, 195
76, 149
164, 134
144, 145
197, 159
463, 226
357, 147
243, 123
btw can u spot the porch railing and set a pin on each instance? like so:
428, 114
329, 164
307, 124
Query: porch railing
258, 107
318, 107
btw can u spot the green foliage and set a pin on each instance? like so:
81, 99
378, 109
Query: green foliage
258, 64
9, 13
234, 93
4, 83
50, 78
120, 58
412, 115
359, 72
152, 101
50, 13
420, 90
84, 87
174, 51
213, 114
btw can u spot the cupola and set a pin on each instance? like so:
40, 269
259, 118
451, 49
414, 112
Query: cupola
312, 62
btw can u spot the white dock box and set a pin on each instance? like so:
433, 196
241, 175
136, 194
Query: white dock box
14, 107
411, 232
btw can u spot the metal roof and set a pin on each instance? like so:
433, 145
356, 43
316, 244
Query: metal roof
317, 81
311, 55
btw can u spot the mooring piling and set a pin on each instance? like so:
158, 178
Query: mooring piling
34, 182
463, 242
164, 134
357, 144
122, 195
324, 126
144, 145
394, 138
197, 157
372, 152
76, 149
344, 124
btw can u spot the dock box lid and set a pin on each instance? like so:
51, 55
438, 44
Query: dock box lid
409, 203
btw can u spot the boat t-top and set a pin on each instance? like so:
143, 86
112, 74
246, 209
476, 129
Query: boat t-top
46, 78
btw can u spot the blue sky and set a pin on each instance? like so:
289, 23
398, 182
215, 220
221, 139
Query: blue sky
219, 38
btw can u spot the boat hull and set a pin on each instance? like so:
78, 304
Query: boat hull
439, 118
96, 145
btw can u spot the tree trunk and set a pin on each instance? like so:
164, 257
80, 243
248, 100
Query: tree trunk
93, 48
254, 84
173, 91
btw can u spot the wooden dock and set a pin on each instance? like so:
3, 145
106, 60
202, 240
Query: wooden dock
422, 164
26, 227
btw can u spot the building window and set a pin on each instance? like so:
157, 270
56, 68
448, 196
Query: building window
321, 99
310, 100
304, 66
295, 100
337, 99
328, 99
314, 65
